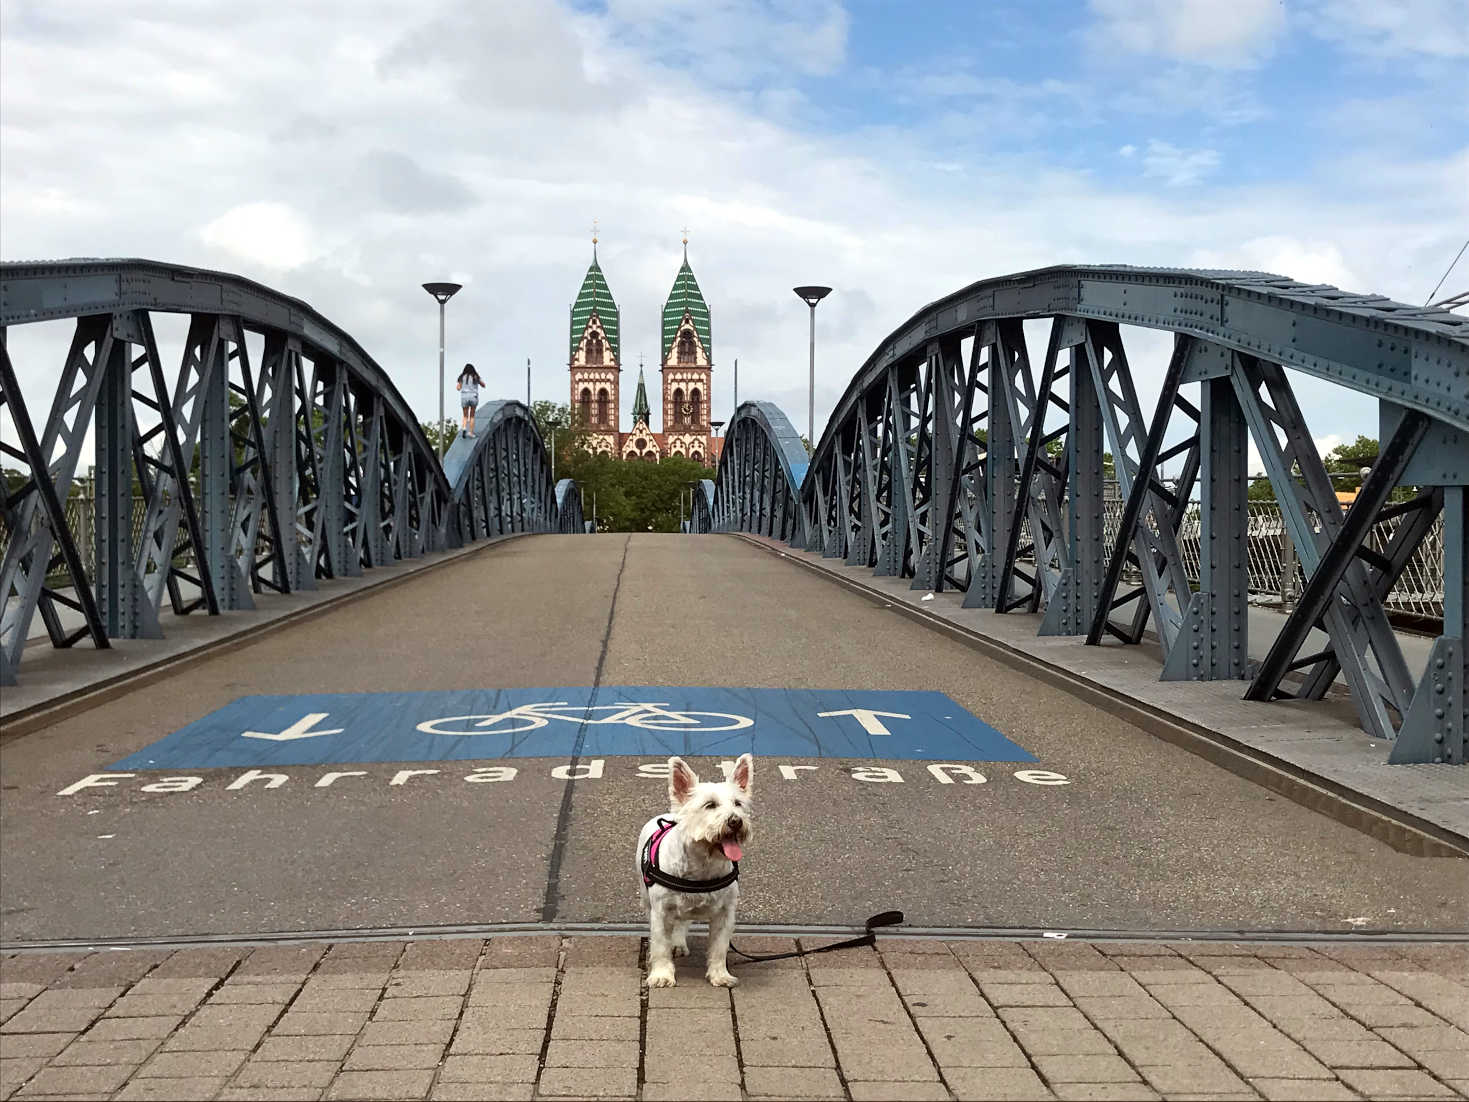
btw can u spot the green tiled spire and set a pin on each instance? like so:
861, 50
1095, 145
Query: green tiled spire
686, 296
594, 297
640, 410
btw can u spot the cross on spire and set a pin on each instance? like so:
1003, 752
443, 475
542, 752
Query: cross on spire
686, 244
594, 239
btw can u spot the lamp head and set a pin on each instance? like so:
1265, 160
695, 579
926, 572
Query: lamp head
811, 295
443, 292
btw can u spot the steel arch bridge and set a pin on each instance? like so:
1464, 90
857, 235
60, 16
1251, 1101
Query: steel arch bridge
954, 460
280, 453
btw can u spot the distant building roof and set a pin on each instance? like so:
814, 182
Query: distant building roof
640, 410
595, 297
686, 298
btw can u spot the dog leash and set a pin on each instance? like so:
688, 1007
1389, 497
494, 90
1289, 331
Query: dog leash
886, 918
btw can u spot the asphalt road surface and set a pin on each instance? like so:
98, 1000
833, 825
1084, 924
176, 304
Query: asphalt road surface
1141, 836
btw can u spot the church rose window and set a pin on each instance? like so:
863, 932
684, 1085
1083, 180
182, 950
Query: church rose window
586, 405
602, 406
686, 347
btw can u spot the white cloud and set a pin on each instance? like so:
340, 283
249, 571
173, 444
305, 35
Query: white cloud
1177, 167
729, 42
271, 235
347, 167
1204, 32
1396, 28
1308, 261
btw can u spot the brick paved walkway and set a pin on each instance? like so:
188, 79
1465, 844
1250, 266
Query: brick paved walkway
547, 1017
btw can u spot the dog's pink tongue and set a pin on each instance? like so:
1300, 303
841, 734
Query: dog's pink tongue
732, 850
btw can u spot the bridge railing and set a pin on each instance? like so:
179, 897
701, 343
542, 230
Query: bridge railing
758, 484
701, 514
954, 459
569, 517
276, 453
501, 478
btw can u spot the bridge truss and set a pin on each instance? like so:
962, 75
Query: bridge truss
278, 454
955, 460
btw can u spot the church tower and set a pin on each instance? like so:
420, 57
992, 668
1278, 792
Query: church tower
595, 361
687, 366
641, 442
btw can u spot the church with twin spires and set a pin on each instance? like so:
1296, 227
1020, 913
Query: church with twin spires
686, 366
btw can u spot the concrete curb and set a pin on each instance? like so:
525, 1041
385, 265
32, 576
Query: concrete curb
640, 929
1402, 830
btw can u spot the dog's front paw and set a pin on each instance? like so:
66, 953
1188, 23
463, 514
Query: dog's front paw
720, 977
662, 977
680, 949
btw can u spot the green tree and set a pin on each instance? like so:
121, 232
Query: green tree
632, 496
1349, 459
448, 429
556, 425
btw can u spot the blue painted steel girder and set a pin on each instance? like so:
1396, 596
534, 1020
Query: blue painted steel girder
880, 486
306, 464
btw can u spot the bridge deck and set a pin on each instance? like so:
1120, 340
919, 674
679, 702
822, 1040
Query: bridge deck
1145, 836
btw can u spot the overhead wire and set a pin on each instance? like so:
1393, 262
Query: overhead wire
1445, 276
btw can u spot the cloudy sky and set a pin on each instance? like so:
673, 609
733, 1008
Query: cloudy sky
345, 152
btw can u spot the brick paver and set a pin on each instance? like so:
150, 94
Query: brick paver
546, 1017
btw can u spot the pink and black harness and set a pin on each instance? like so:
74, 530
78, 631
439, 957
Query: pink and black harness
652, 874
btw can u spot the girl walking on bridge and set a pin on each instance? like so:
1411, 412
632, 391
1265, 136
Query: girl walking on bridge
468, 387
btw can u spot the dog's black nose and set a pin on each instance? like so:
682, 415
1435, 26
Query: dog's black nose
735, 822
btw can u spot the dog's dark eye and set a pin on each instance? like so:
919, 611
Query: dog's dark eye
739, 803
709, 806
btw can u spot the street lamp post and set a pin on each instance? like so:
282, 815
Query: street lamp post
811, 296
554, 423
442, 292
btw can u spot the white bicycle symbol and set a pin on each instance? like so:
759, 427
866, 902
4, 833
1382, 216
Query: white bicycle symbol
645, 715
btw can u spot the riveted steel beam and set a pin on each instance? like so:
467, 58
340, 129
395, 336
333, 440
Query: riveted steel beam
1213, 645
1436, 726
34, 517
1039, 478
1005, 499
1360, 636
253, 476
1347, 545
121, 601
1154, 541
1078, 594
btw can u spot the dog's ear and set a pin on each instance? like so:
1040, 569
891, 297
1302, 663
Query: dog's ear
744, 774
681, 781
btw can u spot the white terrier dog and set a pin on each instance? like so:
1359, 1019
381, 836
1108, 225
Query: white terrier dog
688, 864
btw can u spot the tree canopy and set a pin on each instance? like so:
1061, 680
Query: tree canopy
629, 496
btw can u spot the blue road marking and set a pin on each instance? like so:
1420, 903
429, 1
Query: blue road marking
619, 720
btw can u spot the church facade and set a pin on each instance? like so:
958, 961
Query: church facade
686, 368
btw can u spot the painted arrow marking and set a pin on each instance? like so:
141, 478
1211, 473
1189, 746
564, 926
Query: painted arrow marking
300, 729
868, 718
